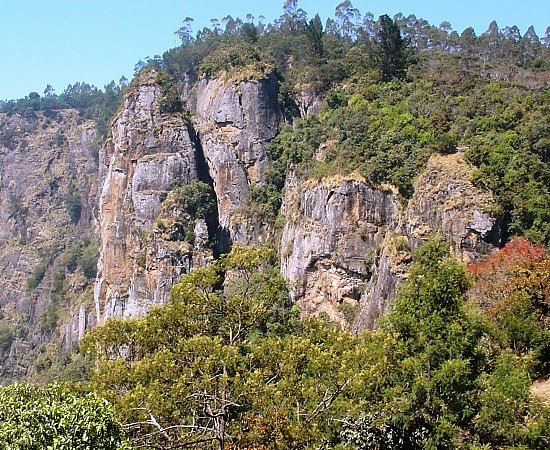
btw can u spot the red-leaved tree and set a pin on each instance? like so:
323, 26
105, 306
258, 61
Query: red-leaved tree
512, 286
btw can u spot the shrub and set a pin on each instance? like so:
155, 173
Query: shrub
88, 260
36, 277
73, 204
169, 101
195, 199
33, 418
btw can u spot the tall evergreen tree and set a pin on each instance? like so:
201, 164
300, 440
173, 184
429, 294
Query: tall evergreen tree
314, 33
391, 52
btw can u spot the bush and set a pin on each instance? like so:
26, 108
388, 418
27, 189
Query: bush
196, 199
58, 295
7, 336
33, 418
237, 57
36, 277
73, 204
16, 209
88, 260
169, 101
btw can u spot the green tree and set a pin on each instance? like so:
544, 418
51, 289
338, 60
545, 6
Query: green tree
314, 33
441, 349
512, 286
34, 418
233, 367
391, 49
443, 389
181, 375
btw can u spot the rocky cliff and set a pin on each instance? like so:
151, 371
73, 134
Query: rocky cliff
334, 229
48, 183
345, 244
146, 241
236, 121
148, 154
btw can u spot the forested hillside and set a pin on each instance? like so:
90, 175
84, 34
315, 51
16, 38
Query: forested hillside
311, 235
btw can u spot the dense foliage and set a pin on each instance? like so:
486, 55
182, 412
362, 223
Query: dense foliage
235, 368
513, 288
33, 418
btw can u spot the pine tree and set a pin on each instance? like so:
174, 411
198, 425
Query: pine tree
391, 52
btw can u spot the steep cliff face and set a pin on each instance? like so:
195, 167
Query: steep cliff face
445, 201
236, 121
345, 245
332, 230
309, 102
147, 242
48, 182
148, 155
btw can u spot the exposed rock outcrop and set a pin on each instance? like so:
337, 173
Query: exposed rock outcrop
144, 248
149, 154
236, 122
445, 201
328, 248
48, 185
346, 245
309, 102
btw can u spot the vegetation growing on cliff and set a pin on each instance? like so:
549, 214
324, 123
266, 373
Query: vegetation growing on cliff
91, 102
395, 91
235, 367
227, 363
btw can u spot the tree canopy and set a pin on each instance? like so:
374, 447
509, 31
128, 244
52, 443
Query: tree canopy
234, 367
34, 418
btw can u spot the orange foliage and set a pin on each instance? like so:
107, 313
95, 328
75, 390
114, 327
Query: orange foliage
520, 267
264, 433
518, 253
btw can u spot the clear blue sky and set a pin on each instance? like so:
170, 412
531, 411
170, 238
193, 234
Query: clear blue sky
59, 42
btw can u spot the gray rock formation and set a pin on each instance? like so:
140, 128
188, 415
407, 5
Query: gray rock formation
149, 154
445, 201
308, 101
333, 230
236, 121
47, 164
346, 245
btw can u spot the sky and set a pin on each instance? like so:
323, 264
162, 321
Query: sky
60, 42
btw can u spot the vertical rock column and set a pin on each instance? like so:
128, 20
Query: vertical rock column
236, 122
148, 155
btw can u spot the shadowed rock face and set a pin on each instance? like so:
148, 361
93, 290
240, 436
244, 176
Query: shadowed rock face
148, 155
43, 161
236, 121
347, 245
